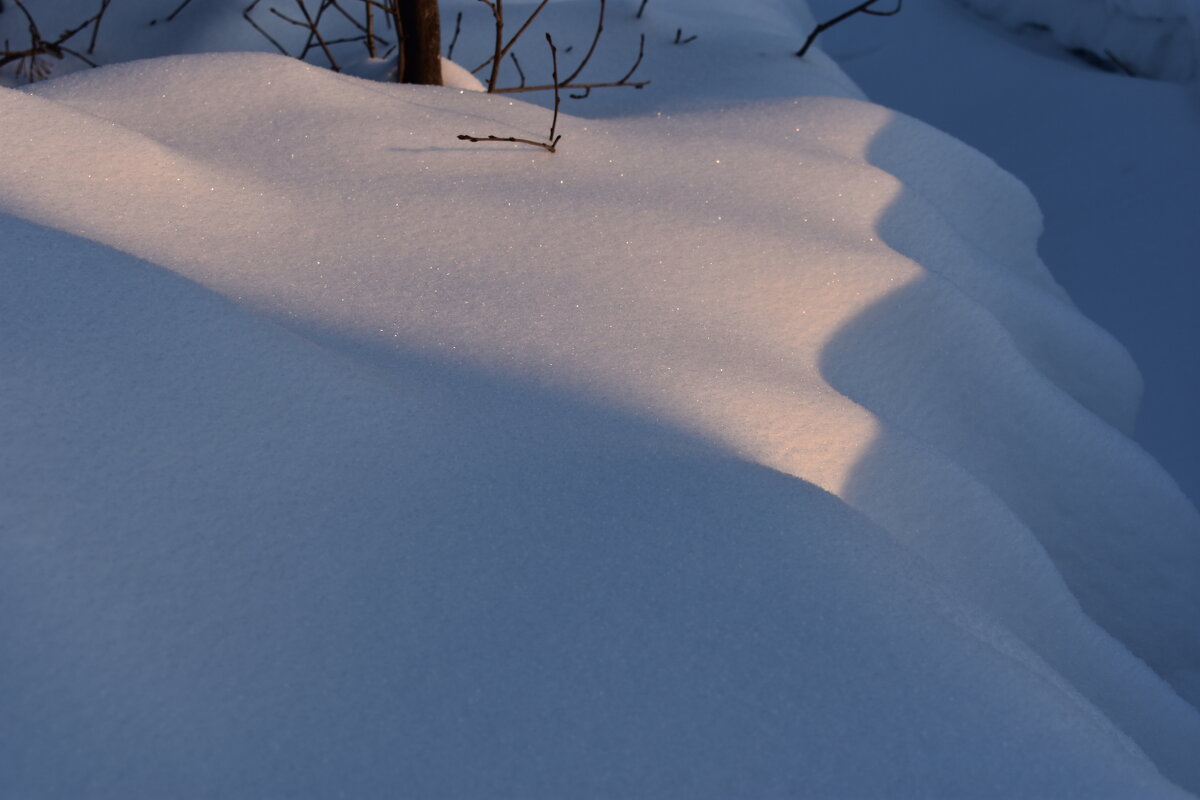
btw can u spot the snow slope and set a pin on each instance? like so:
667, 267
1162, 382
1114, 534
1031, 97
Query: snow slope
1112, 161
743, 451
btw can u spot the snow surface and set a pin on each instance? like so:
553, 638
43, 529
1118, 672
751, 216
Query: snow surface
1155, 38
1112, 160
742, 447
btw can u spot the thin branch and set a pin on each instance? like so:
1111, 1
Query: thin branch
368, 9
636, 64
679, 37
172, 15
864, 8
587, 87
554, 65
72, 31
454, 41
1120, 64
246, 14
29, 63
346, 40
349, 17
592, 49
554, 138
497, 7
314, 31
80, 56
297, 22
504, 50
96, 27
517, 64
642, 8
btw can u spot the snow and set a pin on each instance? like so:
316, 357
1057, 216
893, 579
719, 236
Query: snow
1155, 38
744, 446
1112, 162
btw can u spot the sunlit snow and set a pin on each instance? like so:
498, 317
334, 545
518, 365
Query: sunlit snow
743, 447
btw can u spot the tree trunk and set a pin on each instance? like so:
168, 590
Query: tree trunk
421, 45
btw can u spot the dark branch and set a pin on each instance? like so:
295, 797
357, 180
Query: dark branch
246, 14
454, 41
551, 142
503, 51
863, 8
30, 60
172, 15
679, 37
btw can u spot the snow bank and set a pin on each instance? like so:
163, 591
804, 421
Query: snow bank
747, 451
1157, 38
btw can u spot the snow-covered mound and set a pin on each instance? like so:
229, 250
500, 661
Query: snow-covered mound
740, 452
1156, 38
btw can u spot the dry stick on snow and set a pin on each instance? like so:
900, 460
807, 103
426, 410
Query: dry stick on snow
552, 140
864, 8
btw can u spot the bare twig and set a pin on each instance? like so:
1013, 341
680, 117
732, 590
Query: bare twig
336, 6
517, 64
679, 37
96, 27
30, 61
588, 57
641, 52
314, 32
642, 8
313, 22
864, 8
369, 10
587, 87
454, 41
503, 51
554, 66
497, 7
172, 15
246, 14
553, 139
1120, 64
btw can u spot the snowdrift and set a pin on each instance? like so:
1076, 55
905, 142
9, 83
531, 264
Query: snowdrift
741, 452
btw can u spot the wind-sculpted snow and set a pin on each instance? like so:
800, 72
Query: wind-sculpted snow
736, 453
